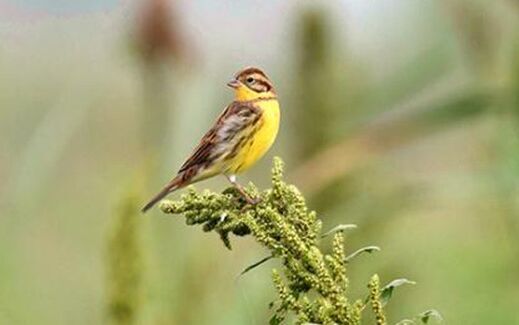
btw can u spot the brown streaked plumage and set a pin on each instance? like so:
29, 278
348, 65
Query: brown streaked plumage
240, 136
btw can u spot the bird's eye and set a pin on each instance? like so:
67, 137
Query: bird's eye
250, 80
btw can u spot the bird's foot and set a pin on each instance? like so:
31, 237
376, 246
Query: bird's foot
252, 201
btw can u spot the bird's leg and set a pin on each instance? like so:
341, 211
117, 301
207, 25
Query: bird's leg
232, 180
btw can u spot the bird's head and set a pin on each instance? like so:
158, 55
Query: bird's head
251, 83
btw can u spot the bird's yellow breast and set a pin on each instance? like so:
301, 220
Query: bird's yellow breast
262, 138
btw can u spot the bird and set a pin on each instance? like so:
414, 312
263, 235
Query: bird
240, 136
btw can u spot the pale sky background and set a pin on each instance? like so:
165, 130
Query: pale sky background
223, 31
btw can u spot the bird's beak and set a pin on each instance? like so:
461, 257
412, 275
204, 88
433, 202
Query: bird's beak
234, 83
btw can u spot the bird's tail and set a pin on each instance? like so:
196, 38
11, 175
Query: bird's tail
170, 187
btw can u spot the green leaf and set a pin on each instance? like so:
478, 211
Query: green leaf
338, 228
258, 263
367, 249
224, 236
424, 318
387, 291
429, 314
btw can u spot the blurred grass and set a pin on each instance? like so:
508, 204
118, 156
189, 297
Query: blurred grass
124, 264
423, 155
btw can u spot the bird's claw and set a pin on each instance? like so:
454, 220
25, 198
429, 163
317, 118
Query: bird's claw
250, 202
253, 201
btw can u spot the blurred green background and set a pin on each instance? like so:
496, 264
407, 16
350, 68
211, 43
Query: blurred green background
399, 116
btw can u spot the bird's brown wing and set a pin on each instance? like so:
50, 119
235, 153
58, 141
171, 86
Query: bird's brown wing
219, 140
233, 119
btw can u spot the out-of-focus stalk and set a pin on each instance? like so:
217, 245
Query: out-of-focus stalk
158, 45
124, 264
313, 87
477, 32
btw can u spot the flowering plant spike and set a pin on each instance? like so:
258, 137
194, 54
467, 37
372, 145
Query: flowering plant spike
312, 286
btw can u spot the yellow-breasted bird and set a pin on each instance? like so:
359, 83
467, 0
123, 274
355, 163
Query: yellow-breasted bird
241, 135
